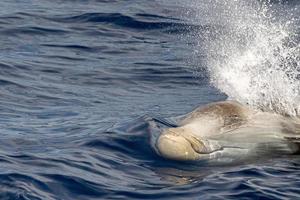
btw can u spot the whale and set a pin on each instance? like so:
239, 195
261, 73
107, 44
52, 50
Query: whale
228, 131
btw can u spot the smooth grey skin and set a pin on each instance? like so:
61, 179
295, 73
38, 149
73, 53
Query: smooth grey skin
229, 131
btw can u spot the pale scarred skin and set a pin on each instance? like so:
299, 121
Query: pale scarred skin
225, 129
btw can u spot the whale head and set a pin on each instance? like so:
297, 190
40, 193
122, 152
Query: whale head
177, 144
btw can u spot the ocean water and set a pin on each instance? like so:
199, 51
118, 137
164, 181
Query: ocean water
79, 81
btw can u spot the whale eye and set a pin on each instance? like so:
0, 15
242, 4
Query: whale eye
233, 121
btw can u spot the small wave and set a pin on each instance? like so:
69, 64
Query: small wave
33, 31
153, 22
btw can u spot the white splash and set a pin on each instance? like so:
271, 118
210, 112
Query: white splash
253, 56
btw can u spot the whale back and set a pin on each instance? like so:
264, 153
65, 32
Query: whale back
226, 115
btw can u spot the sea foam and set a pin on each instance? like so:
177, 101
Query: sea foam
253, 54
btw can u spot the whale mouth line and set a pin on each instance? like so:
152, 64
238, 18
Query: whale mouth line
181, 147
198, 145
206, 149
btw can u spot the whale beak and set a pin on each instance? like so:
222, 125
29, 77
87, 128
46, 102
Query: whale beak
180, 147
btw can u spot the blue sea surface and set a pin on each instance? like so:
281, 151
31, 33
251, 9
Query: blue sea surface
78, 81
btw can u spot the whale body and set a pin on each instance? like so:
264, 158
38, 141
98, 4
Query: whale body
228, 131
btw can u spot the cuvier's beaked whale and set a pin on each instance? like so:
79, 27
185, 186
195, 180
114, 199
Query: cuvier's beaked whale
228, 131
